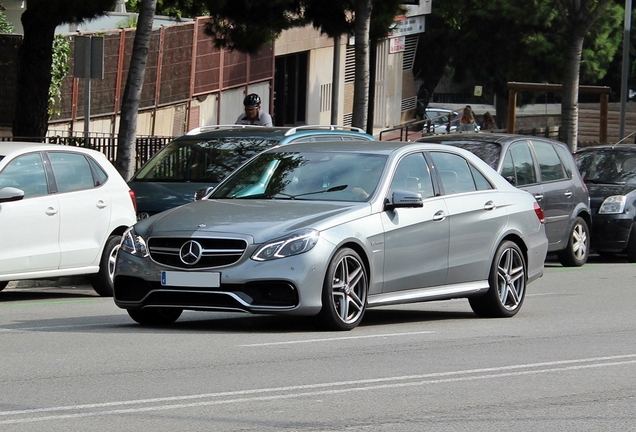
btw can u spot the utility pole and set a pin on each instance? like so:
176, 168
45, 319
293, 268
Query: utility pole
626, 66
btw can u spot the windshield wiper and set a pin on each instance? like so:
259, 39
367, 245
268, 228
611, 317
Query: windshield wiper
331, 189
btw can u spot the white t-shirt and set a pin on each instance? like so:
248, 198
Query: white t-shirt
263, 119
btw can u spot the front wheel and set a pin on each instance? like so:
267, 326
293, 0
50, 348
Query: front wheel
155, 316
102, 282
578, 248
507, 282
344, 291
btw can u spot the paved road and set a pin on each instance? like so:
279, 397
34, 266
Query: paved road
74, 361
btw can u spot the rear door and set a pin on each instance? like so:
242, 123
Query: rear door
559, 193
84, 210
477, 214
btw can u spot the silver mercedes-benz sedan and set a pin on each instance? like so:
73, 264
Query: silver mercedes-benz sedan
330, 229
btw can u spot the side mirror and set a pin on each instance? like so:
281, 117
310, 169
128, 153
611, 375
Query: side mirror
404, 199
202, 193
11, 194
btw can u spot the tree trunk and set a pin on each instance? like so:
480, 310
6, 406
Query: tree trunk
361, 81
570, 94
35, 58
125, 161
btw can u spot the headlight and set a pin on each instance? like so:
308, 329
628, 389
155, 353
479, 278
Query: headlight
613, 205
134, 244
297, 243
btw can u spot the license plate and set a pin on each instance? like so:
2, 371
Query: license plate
190, 279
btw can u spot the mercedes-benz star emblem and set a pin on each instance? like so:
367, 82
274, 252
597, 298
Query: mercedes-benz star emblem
190, 252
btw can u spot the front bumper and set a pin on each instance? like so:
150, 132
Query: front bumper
610, 233
291, 285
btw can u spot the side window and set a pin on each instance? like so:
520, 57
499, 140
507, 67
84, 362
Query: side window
454, 173
25, 173
523, 164
99, 171
72, 171
412, 175
549, 162
480, 181
566, 159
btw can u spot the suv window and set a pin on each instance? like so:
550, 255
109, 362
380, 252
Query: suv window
549, 162
192, 160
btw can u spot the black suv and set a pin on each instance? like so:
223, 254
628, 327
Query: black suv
547, 170
610, 175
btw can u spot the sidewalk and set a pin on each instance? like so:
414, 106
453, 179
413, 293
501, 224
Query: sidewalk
72, 282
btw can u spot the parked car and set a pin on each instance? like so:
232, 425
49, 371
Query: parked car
332, 228
547, 170
63, 211
440, 120
610, 175
204, 156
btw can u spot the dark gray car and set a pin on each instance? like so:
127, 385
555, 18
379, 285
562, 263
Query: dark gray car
547, 170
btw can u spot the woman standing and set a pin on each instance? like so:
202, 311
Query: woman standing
467, 122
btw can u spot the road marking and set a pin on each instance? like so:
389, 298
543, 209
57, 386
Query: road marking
334, 339
17, 329
46, 302
313, 390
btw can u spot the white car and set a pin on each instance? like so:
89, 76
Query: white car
62, 213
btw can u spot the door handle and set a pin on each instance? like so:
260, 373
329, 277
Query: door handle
101, 204
439, 216
568, 194
490, 206
51, 211
538, 197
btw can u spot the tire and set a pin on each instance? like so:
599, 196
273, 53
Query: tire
344, 292
102, 282
3, 285
155, 316
577, 250
507, 282
631, 245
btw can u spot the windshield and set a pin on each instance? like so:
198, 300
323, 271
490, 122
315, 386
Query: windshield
196, 160
331, 176
609, 167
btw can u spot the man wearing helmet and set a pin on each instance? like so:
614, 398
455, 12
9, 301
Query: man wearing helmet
253, 114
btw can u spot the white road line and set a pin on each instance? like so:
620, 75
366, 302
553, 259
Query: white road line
17, 329
313, 390
334, 339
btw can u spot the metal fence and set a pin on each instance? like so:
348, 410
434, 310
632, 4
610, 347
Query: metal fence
145, 147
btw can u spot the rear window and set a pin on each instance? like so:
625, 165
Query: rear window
208, 161
487, 151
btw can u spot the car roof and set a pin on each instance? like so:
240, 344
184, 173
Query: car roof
378, 147
8, 147
485, 137
276, 133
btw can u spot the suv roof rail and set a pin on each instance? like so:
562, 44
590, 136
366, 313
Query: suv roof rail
324, 127
202, 129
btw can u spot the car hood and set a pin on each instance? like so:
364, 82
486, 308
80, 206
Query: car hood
261, 220
155, 197
598, 192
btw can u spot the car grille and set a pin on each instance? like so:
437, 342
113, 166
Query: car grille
215, 252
